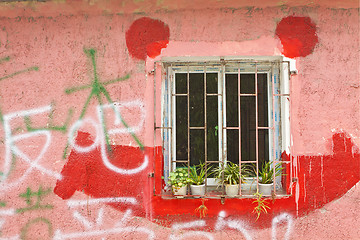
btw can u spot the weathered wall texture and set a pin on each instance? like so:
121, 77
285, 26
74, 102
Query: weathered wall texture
64, 67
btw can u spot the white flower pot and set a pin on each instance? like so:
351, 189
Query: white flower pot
179, 191
198, 189
232, 190
266, 189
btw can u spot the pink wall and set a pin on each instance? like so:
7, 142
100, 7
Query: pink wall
52, 53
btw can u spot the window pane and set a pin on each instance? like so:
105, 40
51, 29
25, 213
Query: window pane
247, 84
197, 146
231, 88
181, 83
196, 95
263, 118
263, 100
248, 128
211, 82
181, 128
212, 128
232, 137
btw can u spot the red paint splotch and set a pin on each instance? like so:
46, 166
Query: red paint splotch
297, 35
86, 172
320, 180
325, 178
146, 37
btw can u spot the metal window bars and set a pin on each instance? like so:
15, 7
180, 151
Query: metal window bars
279, 126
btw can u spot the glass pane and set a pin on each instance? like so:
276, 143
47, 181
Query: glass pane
181, 83
263, 146
263, 118
232, 137
263, 100
212, 128
232, 116
197, 146
211, 82
247, 84
196, 95
248, 128
181, 128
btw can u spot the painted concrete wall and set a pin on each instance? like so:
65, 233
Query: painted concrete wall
65, 67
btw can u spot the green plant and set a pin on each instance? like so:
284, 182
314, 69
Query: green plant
261, 205
229, 174
248, 170
266, 173
198, 173
179, 178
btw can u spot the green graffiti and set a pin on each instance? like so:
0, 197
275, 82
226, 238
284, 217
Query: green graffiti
25, 229
50, 125
97, 88
5, 59
2, 204
19, 72
31, 205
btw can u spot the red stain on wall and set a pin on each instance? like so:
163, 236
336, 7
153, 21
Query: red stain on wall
297, 35
146, 37
86, 172
328, 177
321, 179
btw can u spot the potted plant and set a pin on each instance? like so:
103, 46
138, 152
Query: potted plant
249, 177
179, 180
266, 177
229, 176
197, 175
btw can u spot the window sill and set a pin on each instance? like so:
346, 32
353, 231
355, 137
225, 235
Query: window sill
217, 194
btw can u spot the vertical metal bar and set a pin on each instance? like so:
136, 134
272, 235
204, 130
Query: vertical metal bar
172, 118
223, 122
188, 115
291, 150
154, 139
257, 125
239, 124
205, 127
274, 127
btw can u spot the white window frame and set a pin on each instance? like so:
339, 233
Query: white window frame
168, 120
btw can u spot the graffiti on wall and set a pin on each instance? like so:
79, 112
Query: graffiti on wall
101, 177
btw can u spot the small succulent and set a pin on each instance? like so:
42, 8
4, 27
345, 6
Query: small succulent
179, 178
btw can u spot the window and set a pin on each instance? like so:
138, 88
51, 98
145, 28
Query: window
217, 111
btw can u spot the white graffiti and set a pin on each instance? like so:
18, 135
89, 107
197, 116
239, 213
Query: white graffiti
93, 229
12, 140
77, 203
281, 218
13, 150
74, 129
193, 224
234, 224
101, 135
3, 214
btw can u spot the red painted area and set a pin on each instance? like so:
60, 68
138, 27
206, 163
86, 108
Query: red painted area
86, 172
326, 178
146, 37
321, 179
298, 36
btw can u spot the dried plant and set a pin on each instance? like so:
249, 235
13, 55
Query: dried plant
202, 209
